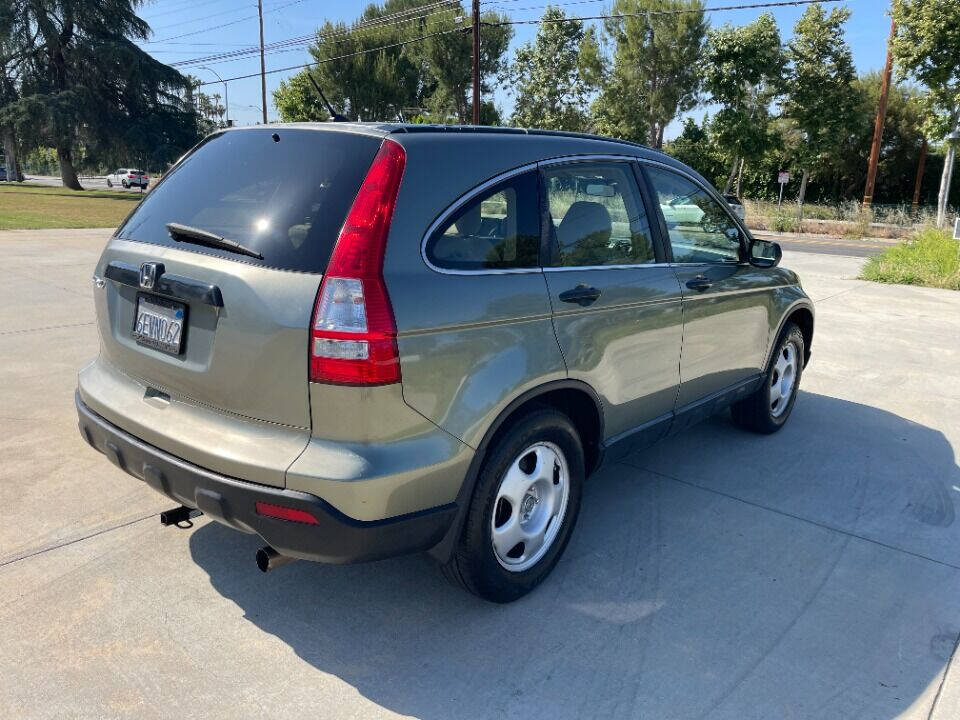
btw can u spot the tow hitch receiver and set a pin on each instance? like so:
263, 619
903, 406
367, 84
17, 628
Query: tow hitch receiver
178, 515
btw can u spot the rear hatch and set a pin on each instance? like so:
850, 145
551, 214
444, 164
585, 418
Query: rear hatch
223, 324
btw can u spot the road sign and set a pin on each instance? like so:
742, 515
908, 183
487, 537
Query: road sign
956, 229
783, 178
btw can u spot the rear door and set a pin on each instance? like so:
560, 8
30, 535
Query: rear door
226, 330
725, 300
616, 303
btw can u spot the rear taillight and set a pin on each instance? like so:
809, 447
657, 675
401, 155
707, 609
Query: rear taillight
353, 337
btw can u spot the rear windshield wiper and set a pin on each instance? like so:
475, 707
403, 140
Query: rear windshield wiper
185, 233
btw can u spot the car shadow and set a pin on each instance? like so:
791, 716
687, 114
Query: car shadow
809, 573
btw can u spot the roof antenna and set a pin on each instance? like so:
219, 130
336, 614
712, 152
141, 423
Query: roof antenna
334, 115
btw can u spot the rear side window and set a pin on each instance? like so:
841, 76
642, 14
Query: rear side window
281, 192
497, 230
597, 216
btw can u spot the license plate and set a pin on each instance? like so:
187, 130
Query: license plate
160, 324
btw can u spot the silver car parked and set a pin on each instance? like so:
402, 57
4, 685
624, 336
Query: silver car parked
428, 339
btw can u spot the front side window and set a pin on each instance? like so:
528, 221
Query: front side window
597, 216
700, 229
498, 230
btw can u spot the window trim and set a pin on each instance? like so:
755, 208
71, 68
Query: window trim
660, 235
656, 238
745, 237
454, 208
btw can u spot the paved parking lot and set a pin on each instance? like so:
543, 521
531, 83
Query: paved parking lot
811, 574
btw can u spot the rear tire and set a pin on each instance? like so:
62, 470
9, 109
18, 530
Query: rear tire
524, 507
768, 409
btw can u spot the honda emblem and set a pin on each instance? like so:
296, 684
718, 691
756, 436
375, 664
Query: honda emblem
148, 275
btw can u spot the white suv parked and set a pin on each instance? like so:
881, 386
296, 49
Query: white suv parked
128, 177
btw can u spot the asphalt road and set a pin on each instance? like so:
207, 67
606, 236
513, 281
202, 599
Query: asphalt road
88, 182
814, 573
827, 245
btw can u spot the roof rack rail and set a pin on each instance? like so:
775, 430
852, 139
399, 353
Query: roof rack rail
497, 129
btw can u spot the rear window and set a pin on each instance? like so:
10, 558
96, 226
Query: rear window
281, 192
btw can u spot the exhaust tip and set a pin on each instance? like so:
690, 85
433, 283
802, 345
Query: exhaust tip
269, 559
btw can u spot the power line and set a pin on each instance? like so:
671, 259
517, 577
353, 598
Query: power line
179, 6
223, 25
231, 11
205, 17
394, 19
749, 6
304, 66
645, 13
286, 47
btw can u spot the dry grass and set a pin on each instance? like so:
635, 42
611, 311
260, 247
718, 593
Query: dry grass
843, 220
25, 206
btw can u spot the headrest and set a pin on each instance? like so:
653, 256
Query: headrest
584, 219
469, 223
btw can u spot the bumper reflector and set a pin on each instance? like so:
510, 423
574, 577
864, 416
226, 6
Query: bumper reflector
285, 513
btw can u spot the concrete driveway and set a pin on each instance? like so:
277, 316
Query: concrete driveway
811, 574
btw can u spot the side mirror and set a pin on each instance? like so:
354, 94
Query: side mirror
764, 254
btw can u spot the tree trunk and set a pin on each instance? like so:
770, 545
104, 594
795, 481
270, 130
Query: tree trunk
660, 130
732, 175
801, 197
67, 172
945, 179
10, 148
740, 178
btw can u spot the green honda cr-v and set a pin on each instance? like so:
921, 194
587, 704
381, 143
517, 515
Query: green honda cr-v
364, 340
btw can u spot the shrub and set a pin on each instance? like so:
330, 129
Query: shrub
930, 258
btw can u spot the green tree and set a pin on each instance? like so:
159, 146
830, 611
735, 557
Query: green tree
447, 62
743, 69
820, 100
554, 75
430, 79
13, 49
927, 49
86, 83
656, 67
696, 146
297, 100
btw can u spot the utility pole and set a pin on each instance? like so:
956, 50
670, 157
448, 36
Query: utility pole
881, 119
920, 165
263, 69
476, 62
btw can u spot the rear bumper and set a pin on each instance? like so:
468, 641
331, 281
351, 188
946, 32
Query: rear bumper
335, 538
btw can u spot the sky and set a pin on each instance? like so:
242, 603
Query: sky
185, 29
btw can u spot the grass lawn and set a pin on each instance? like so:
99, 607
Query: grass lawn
33, 207
930, 258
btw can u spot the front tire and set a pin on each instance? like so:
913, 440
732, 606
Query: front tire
524, 507
768, 409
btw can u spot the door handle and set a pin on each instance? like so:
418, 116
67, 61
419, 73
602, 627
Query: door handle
699, 283
581, 295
